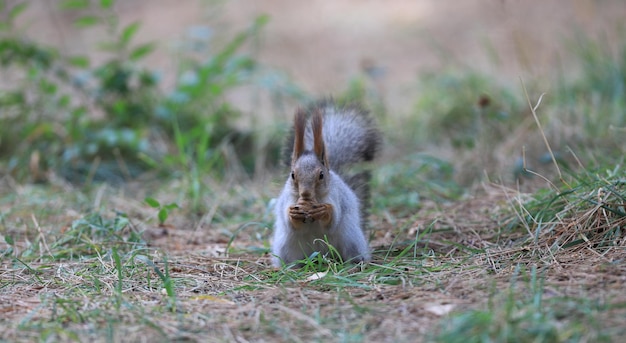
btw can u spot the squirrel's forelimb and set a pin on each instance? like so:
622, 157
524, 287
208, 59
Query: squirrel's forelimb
320, 213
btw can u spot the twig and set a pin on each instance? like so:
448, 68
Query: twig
533, 109
43, 238
535, 173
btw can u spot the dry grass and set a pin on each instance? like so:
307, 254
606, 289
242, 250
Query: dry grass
454, 259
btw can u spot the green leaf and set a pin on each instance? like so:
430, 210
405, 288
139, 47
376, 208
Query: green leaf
9, 240
64, 101
15, 11
47, 87
152, 202
162, 215
118, 266
171, 206
128, 33
75, 4
106, 3
141, 51
79, 61
108, 46
86, 21
261, 21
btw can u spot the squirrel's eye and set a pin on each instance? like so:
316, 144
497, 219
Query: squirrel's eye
321, 175
293, 176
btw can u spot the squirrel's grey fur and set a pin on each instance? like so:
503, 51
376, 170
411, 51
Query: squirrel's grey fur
349, 137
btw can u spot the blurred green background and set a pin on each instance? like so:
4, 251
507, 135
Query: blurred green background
106, 91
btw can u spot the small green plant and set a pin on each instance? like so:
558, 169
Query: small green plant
164, 209
200, 120
10, 248
92, 235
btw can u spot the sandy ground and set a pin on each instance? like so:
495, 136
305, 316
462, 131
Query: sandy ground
322, 45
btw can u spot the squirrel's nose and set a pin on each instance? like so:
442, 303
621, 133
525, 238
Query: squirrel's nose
305, 195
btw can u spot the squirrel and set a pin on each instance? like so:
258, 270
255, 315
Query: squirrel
321, 204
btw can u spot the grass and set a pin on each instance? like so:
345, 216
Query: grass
474, 268
482, 264
530, 317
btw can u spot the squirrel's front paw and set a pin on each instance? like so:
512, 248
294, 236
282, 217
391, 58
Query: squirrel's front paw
300, 214
322, 213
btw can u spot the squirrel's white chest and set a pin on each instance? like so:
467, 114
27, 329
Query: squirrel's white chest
310, 239
310, 231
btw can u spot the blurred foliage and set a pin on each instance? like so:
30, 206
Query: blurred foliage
490, 127
595, 103
402, 185
364, 91
463, 108
113, 121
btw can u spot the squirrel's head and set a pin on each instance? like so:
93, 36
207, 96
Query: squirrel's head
310, 172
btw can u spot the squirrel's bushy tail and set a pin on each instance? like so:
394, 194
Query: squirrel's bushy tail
351, 137
349, 133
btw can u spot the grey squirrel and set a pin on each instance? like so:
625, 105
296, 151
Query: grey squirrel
321, 203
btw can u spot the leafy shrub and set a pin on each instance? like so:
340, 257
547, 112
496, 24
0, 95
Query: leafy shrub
113, 121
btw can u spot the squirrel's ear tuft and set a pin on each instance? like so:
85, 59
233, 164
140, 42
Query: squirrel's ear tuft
319, 147
299, 124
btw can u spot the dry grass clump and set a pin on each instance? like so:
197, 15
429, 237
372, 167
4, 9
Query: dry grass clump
590, 216
595, 221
